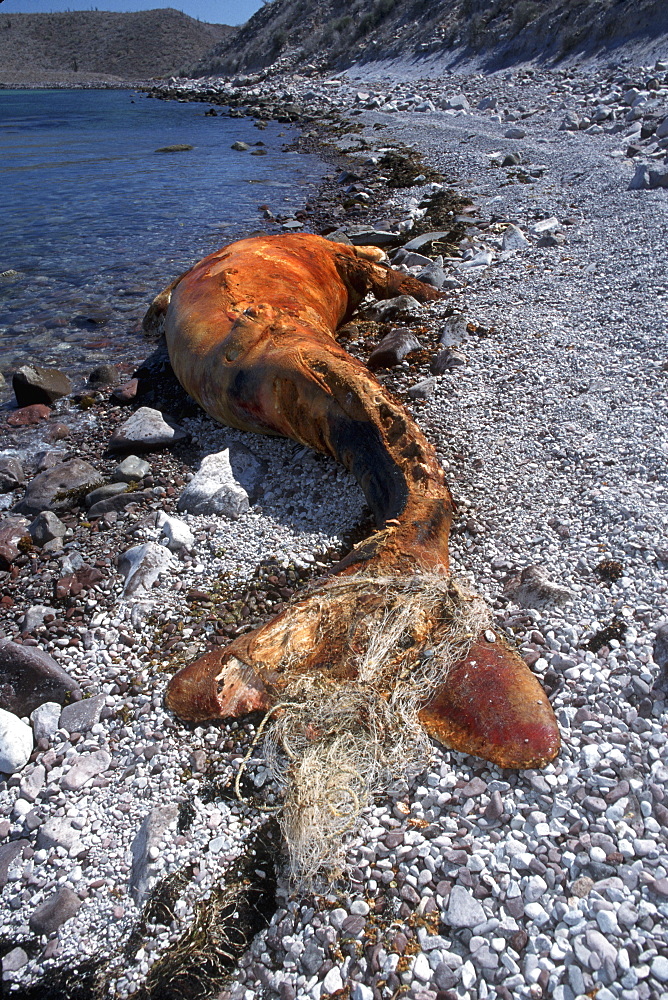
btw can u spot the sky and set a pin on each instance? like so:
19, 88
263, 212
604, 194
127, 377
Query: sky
215, 11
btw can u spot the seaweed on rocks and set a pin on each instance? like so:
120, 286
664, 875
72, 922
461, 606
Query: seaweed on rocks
224, 925
403, 168
617, 629
82, 982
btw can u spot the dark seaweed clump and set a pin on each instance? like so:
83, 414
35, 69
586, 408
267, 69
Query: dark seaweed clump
615, 630
609, 569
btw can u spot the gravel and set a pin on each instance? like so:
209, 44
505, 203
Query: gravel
488, 883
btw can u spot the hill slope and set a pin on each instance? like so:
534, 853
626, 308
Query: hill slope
85, 46
295, 32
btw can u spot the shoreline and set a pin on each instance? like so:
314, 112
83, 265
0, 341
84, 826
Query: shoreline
471, 882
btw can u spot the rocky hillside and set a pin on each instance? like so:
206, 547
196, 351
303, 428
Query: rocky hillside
89, 46
299, 32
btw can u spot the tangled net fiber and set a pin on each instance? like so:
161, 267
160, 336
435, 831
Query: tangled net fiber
334, 745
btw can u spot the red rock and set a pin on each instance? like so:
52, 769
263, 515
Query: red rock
71, 586
27, 416
8, 553
7, 601
57, 431
127, 392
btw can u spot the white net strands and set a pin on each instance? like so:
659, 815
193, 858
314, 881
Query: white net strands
335, 744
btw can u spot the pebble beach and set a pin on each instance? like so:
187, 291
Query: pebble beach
541, 380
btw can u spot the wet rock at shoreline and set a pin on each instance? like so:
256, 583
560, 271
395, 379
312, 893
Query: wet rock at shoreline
104, 375
11, 474
29, 416
60, 488
39, 385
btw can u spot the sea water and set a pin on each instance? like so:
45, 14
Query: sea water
94, 221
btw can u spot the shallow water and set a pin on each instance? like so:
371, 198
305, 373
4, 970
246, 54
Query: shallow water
95, 221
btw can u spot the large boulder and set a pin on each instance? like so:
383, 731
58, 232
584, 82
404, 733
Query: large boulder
214, 490
29, 677
39, 385
60, 488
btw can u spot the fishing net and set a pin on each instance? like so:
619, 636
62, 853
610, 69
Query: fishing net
335, 744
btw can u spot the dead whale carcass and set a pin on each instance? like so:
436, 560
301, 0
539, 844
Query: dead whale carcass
390, 645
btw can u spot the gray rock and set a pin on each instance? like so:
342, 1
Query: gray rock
146, 429
16, 743
119, 502
48, 459
662, 129
56, 910
11, 474
370, 238
142, 565
445, 978
533, 589
34, 617
464, 910
454, 330
433, 274
457, 102
45, 720
545, 226
177, 147
248, 470
487, 104
389, 309
659, 968
431, 237
312, 958
393, 349
14, 960
178, 535
240, 147
104, 492
514, 132
130, 470
514, 239
494, 808
46, 528
31, 784
447, 360
85, 768
39, 385
59, 832
214, 490
423, 389
29, 677
8, 854
150, 833
59, 488
660, 650
82, 715
600, 944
